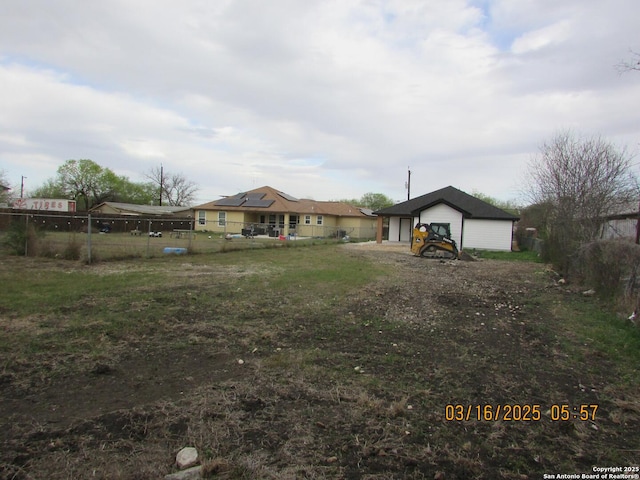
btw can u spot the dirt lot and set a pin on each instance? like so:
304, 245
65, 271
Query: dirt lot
364, 385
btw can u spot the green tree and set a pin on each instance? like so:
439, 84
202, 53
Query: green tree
351, 201
91, 184
376, 201
373, 201
131, 192
80, 179
116, 189
509, 206
50, 189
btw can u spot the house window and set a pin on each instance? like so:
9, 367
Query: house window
319, 220
202, 217
293, 221
222, 219
307, 219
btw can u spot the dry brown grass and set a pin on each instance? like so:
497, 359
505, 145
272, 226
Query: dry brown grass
169, 340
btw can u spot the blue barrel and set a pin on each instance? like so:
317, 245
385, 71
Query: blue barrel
176, 250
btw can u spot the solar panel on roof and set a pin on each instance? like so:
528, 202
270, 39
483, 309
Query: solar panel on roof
254, 202
256, 195
287, 197
230, 202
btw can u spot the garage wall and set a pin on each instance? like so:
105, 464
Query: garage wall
442, 213
487, 234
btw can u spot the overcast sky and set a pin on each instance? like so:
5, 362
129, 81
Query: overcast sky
322, 99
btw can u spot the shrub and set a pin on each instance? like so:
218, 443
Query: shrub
21, 239
610, 267
44, 249
72, 249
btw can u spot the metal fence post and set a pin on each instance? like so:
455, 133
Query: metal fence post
89, 238
26, 236
148, 238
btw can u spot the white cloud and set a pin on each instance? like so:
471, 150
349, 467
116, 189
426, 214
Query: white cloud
316, 98
546, 37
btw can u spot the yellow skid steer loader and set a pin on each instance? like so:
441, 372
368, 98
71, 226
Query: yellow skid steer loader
427, 242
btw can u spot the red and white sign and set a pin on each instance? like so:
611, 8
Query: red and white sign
46, 204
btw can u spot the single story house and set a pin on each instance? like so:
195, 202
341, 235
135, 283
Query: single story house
131, 209
130, 217
268, 211
473, 223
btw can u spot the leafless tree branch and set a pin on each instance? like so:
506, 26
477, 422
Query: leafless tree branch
582, 180
633, 64
176, 189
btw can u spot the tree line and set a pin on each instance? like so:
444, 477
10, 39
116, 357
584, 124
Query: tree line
372, 201
572, 185
90, 184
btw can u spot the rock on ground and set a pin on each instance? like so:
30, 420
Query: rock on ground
187, 457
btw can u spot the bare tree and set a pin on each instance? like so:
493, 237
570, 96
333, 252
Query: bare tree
582, 180
173, 188
5, 188
178, 190
625, 66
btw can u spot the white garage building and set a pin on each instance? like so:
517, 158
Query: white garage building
473, 223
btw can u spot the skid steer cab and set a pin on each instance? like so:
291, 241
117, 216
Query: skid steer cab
427, 242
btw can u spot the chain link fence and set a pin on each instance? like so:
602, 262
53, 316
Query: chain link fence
90, 237
87, 237
288, 231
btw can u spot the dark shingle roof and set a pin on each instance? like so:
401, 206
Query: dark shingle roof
468, 205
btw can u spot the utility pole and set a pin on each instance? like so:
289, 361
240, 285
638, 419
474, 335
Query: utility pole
22, 186
408, 183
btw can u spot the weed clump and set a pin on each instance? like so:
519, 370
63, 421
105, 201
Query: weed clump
72, 249
611, 268
21, 239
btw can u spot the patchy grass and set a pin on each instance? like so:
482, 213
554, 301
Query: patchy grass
520, 256
606, 334
123, 246
324, 362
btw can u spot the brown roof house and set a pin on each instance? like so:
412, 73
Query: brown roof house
267, 211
